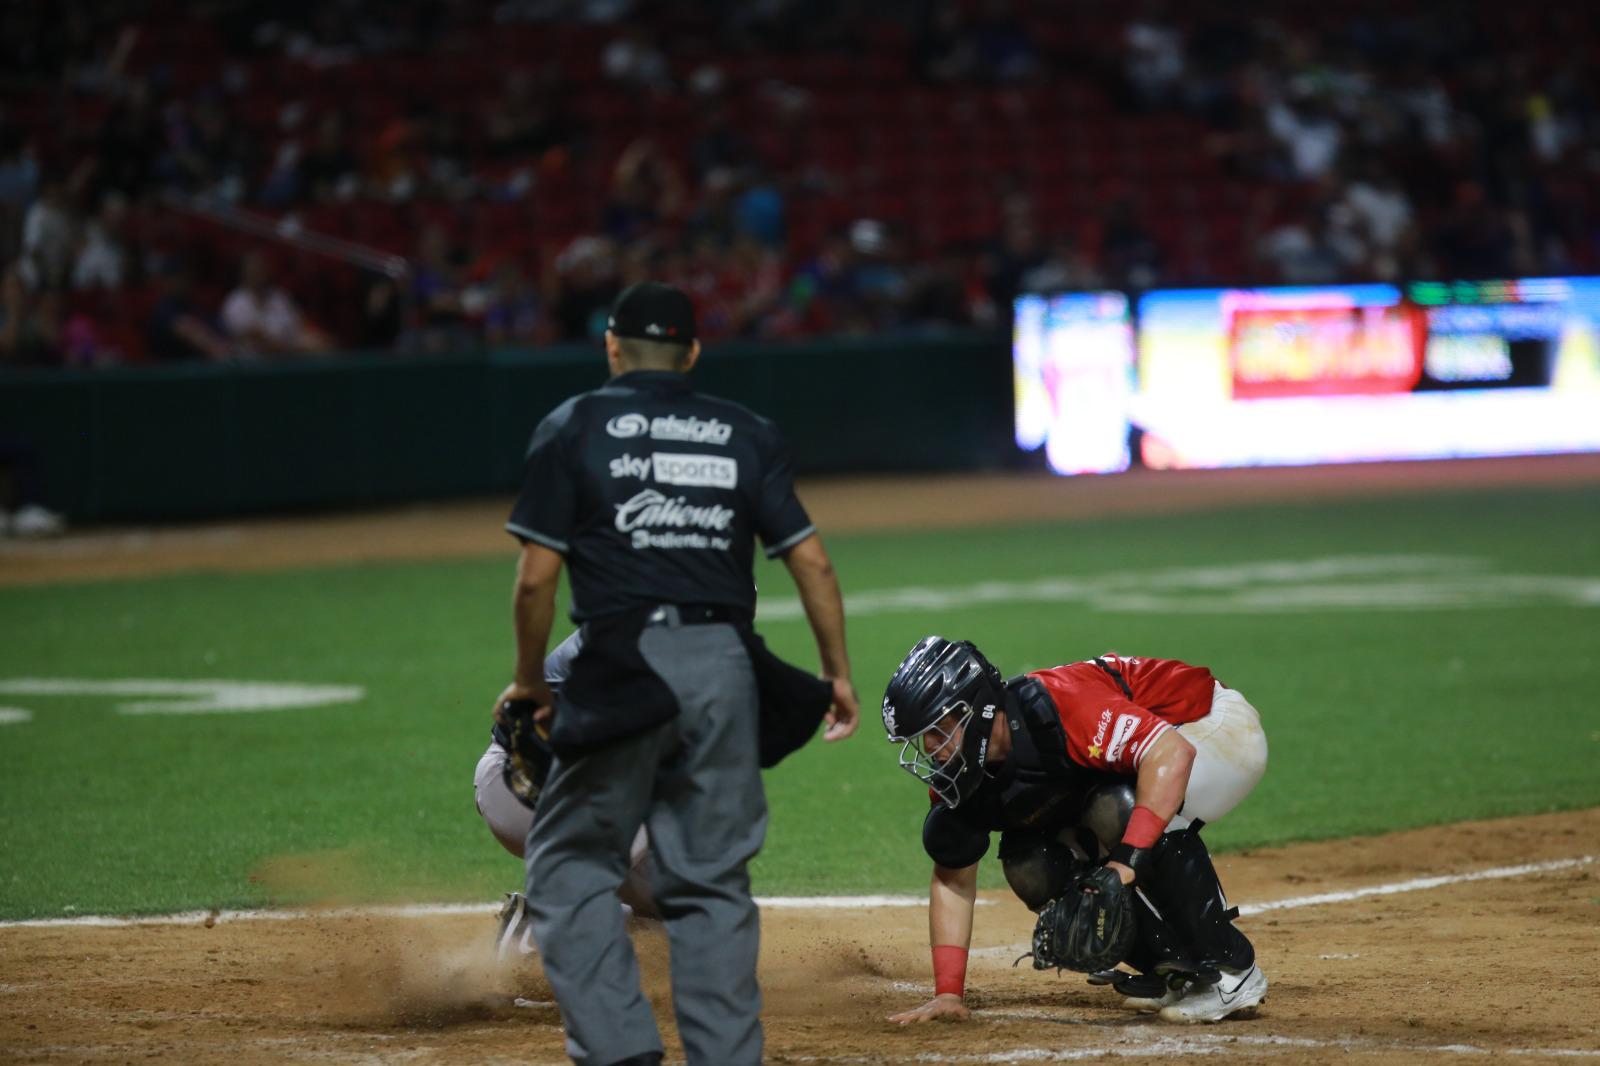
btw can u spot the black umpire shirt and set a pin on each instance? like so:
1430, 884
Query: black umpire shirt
654, 494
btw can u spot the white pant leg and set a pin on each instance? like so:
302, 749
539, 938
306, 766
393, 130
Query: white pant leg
1230, 755
509, 819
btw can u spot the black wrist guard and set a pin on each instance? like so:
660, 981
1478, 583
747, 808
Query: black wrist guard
1133, 858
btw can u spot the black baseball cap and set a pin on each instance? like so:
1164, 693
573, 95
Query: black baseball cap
652, 311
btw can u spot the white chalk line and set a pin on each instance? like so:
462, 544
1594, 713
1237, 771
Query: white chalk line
1143, 1037
423, 910
435, 910
1147, 1042
1417, 885
212, 696
1331, 583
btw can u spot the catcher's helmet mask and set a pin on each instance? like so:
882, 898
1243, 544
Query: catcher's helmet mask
940, 707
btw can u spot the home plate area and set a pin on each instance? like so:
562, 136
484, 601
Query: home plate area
1433, 945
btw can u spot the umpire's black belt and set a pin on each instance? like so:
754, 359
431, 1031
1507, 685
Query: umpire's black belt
673, 615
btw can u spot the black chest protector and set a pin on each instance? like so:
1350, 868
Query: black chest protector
1037, 787
1045, 787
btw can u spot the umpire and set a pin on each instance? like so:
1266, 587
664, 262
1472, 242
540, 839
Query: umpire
653, 495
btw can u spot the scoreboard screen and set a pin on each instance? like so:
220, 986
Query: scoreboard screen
1299, 375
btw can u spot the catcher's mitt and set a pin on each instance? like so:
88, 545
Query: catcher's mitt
528, 744
1090, 928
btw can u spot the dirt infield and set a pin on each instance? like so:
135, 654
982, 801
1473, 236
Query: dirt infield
1506, 965
476, 528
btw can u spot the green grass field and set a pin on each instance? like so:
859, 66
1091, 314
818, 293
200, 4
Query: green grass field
1415, 662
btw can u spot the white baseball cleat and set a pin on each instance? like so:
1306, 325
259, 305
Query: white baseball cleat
515, 937
1212, 1003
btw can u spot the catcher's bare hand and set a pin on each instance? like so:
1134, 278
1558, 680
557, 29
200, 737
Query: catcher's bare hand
539, 694
845, 714
945, 1007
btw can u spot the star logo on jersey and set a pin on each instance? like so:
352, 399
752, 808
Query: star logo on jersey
1096, 746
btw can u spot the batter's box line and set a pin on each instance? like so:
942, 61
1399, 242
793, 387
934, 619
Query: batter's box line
437, 910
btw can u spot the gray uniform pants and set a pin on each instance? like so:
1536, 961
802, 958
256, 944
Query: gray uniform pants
695, 783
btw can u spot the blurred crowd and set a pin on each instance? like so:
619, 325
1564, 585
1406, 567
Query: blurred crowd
1406, 141
1372, 141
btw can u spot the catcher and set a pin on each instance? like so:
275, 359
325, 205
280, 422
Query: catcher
1046, 759
506, 788
513, 770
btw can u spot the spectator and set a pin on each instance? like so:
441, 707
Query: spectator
713, 216
102, 257
1380, 208
48, 236
394, 166
881, 279
1005, 53
19, 173
328, 171
178, 330
945, 50
512, 314
30, 324
823, 296
1373, 123
263, 319
1067, 267
758, 210
447, 172
529, 118
1308, 132
206, 152
1018, 250
754, 279
583, 285
381, 318
437, 287
81, 343
647, 193
721, 146
1302, 253
634, 60
1153, 58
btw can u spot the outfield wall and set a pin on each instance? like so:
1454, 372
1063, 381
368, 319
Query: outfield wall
200, 441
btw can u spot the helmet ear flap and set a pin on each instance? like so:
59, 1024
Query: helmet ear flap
989, 670
939, 677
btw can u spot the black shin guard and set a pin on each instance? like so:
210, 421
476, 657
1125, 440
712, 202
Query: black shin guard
1183, 884
1160, 950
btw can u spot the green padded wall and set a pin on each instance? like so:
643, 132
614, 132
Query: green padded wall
200, 441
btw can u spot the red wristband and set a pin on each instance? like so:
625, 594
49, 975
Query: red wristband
1144, 828
949, 969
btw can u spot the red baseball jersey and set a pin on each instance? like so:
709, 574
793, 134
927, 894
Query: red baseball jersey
1108, 731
